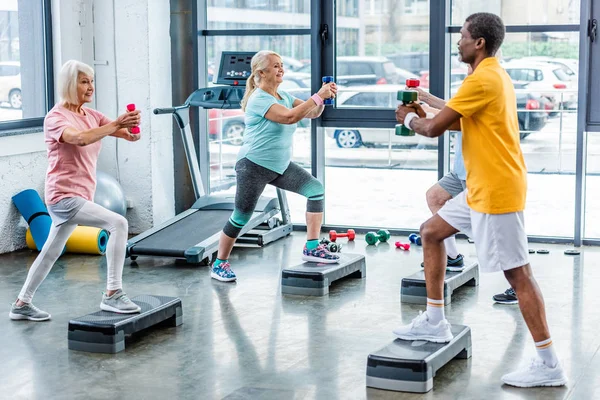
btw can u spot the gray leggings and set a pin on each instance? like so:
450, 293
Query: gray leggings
251, 181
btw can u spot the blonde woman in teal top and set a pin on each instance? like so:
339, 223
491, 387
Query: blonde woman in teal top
266, 158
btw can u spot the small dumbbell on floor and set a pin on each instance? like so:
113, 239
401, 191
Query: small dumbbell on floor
382, 235
403, 246
414, 238
333, 235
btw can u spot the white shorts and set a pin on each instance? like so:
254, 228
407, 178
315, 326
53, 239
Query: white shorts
500, 239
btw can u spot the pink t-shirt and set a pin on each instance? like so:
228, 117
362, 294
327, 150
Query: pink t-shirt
71, 168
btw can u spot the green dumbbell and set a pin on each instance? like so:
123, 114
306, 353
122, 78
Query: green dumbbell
382, 235
407, 97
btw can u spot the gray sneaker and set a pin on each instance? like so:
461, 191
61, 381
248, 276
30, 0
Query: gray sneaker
28, 311
119, 303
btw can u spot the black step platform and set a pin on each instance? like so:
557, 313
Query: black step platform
313, 279
409, 366
413, 288
105, 332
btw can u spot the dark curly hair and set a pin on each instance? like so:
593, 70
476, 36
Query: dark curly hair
489, 27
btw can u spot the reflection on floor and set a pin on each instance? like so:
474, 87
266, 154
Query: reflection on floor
247, 341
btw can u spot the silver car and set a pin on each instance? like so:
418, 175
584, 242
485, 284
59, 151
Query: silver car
376, 97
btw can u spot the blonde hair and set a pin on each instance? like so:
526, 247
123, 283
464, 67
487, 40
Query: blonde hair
259, 63
67, 80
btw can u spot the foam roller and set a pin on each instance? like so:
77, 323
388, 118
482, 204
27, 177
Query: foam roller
33, 210
83, 240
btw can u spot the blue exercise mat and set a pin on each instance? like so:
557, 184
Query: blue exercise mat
33, 210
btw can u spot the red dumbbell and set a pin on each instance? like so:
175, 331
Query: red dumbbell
333, 235
403, 246
136, 129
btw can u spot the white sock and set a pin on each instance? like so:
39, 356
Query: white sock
435, 310
450, 244
545, 350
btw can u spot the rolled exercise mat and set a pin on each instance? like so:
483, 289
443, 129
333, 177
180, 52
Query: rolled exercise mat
83, 240
33, 210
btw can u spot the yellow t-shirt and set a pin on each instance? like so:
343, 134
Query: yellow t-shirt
496, 172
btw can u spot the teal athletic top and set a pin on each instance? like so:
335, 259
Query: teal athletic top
267, 143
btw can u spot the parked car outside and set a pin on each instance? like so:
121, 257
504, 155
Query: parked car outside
227, 125
531, 113
457, 75
10, 83
416, 62
355, 70
550, 80
291, 64
571, 64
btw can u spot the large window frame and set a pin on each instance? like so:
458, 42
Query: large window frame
12, 127
323, 51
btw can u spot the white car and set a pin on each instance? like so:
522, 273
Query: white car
10, 83
551, 80
376, 97
571, 64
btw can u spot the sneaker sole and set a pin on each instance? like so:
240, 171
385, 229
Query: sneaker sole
554, 383
220, 278
433, 339
506, 302
319, 260
17, 317
106, 307
452, 269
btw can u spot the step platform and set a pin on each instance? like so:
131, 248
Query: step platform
413, 288
314, 279
409, 366
105, 332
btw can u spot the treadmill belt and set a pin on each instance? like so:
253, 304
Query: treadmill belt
187, 232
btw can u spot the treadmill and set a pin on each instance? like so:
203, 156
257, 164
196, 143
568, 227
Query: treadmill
194, 234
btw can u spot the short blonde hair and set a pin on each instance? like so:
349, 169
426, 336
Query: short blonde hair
67, 80
259, 62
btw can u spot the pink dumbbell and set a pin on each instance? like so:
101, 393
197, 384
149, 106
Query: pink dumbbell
403, 246
135, 129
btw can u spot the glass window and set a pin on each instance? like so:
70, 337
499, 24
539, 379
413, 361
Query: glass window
258, 14
393, 39
563, 75
358, 68
22, 60
518, 12
377, 100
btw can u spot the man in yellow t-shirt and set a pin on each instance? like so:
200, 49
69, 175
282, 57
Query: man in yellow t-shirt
490, 210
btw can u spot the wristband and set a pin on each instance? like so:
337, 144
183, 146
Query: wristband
317, 99
408, 119
429, 115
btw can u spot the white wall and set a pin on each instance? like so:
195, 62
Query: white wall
129, 48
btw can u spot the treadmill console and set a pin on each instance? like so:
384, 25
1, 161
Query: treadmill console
235, 68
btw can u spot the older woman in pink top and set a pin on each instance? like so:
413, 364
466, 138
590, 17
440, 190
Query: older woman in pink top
73, 135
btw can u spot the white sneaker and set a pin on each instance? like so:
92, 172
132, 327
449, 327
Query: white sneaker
421, 329
536, 374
